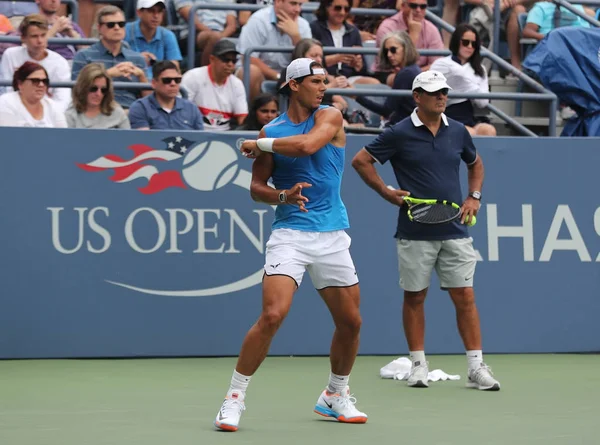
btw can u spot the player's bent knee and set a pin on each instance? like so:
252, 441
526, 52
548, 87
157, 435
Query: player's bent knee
271, 320
463, 298
415, 298
351, 325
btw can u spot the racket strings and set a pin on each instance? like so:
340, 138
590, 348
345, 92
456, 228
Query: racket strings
434, 213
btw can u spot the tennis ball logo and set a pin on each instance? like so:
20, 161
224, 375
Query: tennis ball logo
210, 166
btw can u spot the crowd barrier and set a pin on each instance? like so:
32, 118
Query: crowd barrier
114, 246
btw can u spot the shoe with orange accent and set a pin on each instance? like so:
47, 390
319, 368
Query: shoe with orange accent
340, 406
228, 417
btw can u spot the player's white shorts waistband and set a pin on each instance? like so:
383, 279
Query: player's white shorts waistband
325, 255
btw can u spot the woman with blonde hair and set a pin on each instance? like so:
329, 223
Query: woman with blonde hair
94, 103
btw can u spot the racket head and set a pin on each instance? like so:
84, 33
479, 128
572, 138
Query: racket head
431, 211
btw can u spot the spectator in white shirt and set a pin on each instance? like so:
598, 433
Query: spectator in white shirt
219, 95
34, 29
465, 74
28, 105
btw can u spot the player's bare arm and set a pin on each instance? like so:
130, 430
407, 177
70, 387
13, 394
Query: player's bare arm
364, 164
475, 173
328, 128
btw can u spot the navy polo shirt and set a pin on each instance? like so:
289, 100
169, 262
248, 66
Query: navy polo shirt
427, 166
147, 113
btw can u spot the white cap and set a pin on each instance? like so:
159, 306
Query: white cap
300, 68
147, 4
430, 81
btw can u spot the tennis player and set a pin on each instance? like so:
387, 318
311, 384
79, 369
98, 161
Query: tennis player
303, 151
426, 150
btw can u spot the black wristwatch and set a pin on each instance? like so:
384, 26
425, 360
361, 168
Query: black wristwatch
282, 197
475, 195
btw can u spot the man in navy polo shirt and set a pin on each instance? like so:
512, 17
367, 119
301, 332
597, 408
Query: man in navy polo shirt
148, 38
163, 110
425, 151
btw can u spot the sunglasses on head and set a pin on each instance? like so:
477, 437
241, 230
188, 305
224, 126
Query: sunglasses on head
391, 49
37, 81
417, 5
228, 59
168, 80
443, 92
94, 89
466, 43
338, 8
111, 25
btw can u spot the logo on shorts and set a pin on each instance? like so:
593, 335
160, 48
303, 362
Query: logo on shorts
275, 266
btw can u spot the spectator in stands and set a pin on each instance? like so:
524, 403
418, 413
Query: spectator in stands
60, 26
398, 55
121, 63
148, 38
220, 95
164, 110
34, 29
422, 32
17, 11
465, 74
543, 17
243, 16
277, 25
211, 25
263, 109
332, 29
29, 105
368, 24
94, 103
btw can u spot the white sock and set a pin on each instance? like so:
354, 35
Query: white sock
417, 357
239, 382
474, 358
337, 383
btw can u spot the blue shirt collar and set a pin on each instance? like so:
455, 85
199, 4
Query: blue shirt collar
137, 32
154, 102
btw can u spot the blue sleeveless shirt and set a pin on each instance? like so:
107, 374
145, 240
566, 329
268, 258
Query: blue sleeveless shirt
323, 169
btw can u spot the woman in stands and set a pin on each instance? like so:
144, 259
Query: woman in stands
263, 109
93, 104
332, 30
399, 56
466, 74
27, 105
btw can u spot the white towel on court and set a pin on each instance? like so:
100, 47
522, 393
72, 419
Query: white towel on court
399, 369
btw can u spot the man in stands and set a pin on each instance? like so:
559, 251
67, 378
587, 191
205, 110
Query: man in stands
219, 95
148, 38
121, 63
60, 26
277, 25
34, 35
164, 110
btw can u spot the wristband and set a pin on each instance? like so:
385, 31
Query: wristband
266, 144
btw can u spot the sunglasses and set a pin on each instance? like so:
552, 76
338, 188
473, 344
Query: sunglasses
466, 43
95, 89
228, 59
417, 5
392, 49
111, 25
168, 80
37, 81
443, 92
338, 8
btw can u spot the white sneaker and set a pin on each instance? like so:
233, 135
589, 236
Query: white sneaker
418, 376
483, 379
228, 417
340, 406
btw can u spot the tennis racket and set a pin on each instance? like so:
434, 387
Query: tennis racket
433, 211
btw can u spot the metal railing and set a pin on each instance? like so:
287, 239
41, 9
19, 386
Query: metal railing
542, 95
73, 6
306, 7
71, 84
54, 40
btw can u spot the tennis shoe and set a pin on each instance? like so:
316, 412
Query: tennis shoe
228, 417
419, 373
482, 378
340, 406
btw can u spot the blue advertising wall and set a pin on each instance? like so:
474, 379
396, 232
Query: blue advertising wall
124, 243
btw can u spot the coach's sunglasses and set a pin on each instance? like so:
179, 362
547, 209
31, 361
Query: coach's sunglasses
228, 59
168, 80
417, 5
94, 89
111, 25
338, 8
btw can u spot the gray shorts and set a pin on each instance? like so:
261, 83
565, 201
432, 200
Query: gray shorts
454, 262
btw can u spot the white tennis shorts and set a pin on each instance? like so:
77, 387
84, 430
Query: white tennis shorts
325, 255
